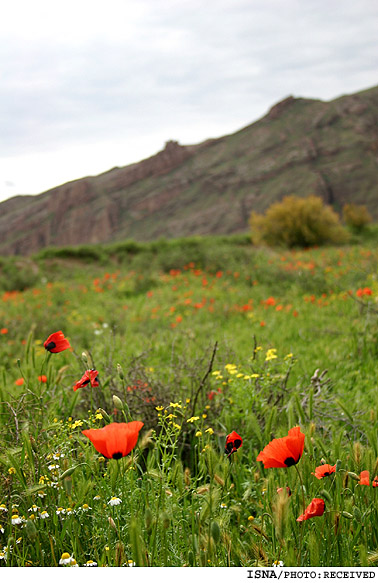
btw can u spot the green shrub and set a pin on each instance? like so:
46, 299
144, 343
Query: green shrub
297, 222
357, 217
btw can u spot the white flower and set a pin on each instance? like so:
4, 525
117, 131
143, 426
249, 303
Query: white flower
60, 510
278, 564
3, 556
85, 507
1, 529
33, 508
130, 563
44, 514
90, 564
16, 519
3, 508
53, 467
114, 501
97, 497
66, 559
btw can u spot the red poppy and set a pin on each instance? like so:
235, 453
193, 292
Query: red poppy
42, 378
90, 376
324, 470
364, 478
315, 508
283, 452
19, 382
375, 482
56, 342
233, 442
281, 490
115, 440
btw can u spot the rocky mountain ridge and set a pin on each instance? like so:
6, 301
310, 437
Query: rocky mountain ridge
301, 146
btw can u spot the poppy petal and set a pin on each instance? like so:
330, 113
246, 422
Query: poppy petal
115, 440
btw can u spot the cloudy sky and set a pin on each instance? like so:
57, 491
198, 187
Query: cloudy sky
88, 85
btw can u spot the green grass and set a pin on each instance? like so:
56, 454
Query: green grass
197, 338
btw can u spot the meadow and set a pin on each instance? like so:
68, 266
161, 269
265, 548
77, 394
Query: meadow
218, 349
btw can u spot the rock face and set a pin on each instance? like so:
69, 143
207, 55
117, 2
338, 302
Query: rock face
300, 147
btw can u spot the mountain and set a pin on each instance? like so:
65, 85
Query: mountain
301, 146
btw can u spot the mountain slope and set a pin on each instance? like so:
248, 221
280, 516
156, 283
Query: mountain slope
302, 146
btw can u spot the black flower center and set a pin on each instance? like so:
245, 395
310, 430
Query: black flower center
50, 346
289, 461
117, 455
237, 443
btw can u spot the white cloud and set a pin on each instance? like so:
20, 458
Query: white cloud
97, 85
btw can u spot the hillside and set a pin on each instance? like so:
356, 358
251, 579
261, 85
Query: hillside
301, 146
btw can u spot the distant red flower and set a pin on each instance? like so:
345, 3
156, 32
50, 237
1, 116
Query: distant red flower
365, 291
19, 382
56, 342
287, 490
4, 331
364, 478
115, 440
233, 442
90, 376
324, 470
315, 508
283, 452
270, 302
375, 482
42, 378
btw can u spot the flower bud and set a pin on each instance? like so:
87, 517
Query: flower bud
117, 403
120, 371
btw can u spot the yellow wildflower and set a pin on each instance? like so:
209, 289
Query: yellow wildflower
192, 419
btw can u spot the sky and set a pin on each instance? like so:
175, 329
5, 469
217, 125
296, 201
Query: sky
89, 85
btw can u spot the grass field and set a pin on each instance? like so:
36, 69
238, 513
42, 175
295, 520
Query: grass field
196, 339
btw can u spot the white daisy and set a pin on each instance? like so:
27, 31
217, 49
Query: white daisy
16, 519
114, 501
66, 559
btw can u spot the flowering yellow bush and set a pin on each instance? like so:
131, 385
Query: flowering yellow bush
297, 222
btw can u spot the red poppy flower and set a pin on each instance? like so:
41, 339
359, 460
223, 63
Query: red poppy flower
364, 478
56, 342
281, 490
90, 376
233, 442
375, 482
315, 508
42, 378
19, 382
324, 470
283, 452
116, 439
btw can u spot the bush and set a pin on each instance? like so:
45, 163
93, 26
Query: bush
356, 217
297, 222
